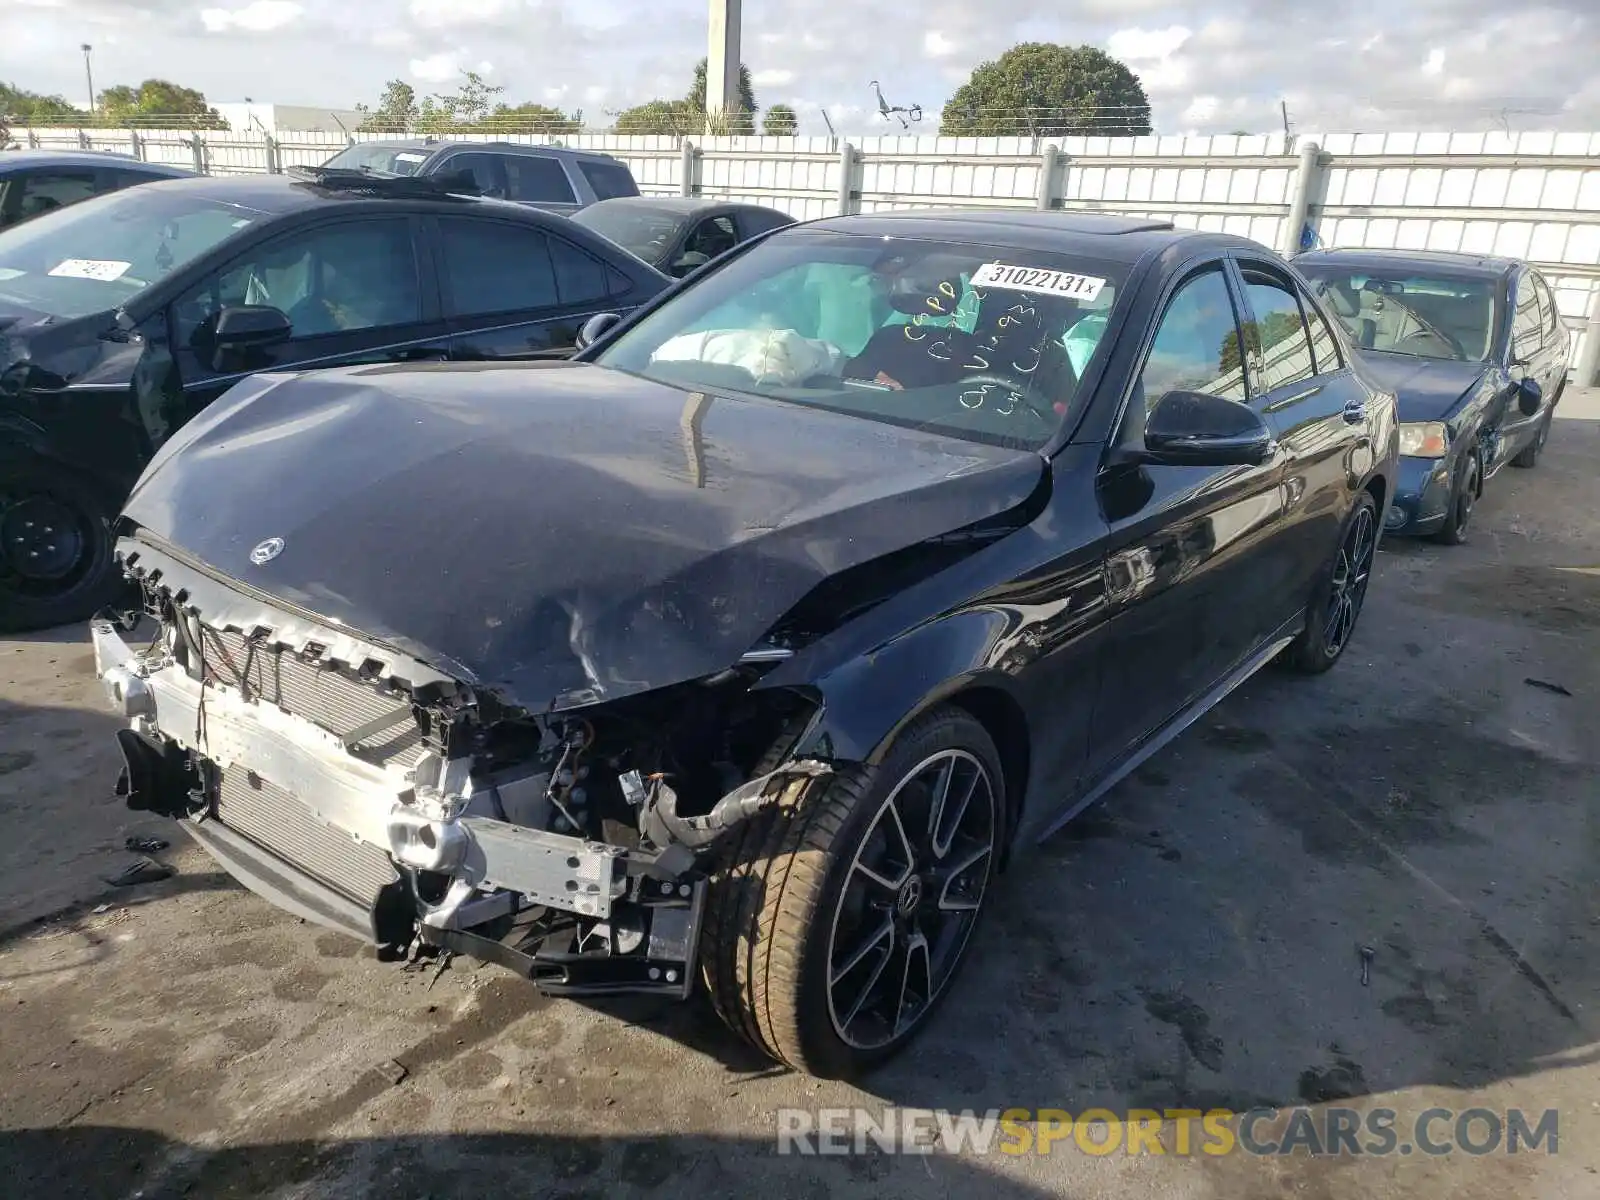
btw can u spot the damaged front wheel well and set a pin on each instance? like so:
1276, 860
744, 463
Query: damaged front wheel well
1002, 718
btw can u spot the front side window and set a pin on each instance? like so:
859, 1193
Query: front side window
45, 191
983, 342
335, 279
1438, 315
495, 267
1278, 344
481, 169
531, 177
1553, 327
1527, 324
99, 255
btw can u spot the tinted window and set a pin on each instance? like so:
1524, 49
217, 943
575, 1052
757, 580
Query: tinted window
580, 277
756, 220
1398, 312
480, 167
1547, 307
530, 177
45, 191
1323, 342
1280, 349
335, 279
976, 341
1527, 327
495, 266
608, 180
1196, 347
711, 237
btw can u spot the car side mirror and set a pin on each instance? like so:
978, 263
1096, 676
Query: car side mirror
595, 327
1200, 430
692, 261
1529, 396
244, 327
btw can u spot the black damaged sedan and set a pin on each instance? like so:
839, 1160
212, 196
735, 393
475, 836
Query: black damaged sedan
744, 650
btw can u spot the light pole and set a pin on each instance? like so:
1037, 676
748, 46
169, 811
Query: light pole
88, 73
722, 58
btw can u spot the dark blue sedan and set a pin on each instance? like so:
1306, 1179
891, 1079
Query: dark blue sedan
33, 182
1476, 355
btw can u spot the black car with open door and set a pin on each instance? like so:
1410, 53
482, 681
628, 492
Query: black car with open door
123, 316
744, 649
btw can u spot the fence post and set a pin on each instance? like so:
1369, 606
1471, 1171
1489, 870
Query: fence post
1047, 176
849, 196
83, 140
33, 140
1305, 181
274, 166
198, 146
1583, 373
136, 144
689, 169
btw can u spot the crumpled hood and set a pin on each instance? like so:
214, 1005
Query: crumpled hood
1427, 389
564, 533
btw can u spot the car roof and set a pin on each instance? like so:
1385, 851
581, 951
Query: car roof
279, 194
1100, 235
1487, 266
19, 159
436, 144
680, 205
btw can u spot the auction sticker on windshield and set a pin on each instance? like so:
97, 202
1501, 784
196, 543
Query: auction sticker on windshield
103, 269
1035, 279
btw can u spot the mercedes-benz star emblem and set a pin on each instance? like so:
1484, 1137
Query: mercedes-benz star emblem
266, 551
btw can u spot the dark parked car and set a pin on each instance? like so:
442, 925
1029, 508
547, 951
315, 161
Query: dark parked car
678, 236
750, 645
549, 177
123, 316
33, 182
1476, 352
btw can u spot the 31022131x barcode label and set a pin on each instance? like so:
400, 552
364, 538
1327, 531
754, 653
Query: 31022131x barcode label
1038, 279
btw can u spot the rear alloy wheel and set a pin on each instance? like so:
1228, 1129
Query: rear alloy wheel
56, 562
1529, 455
1331, 620
837, 926
1469, 483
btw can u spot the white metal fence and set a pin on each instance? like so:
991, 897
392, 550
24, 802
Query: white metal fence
1530, 195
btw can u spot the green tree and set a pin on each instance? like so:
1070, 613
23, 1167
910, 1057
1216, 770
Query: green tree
450, 111
672, 117
1042, 90
742, 121
780, 121
396, 111
21, 107
158, 102
535, 118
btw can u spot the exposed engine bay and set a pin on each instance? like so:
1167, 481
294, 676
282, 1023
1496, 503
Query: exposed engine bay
396, 804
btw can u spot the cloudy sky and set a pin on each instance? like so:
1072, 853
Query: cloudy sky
1208, 67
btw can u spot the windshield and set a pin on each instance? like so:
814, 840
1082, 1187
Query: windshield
981, 342
1427, 316
380, 160
101, 253
639, 229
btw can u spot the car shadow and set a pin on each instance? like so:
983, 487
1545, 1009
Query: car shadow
100, 1162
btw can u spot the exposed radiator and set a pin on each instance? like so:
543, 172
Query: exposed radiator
333, 699
276, 821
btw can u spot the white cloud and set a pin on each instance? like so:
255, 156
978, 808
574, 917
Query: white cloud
772, 78
441, 14
1435, 62
936, 45
436, 68
1144, 45
261, 16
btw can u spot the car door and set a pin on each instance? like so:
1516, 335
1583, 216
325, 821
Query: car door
540, 181
32, 193
1557, 341
1528, 361
513, 290
355, 291
1184, 569
1318, 413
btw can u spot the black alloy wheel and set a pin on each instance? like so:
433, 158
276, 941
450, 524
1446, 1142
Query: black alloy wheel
1341, 594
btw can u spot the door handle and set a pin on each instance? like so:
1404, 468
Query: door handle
1355, 412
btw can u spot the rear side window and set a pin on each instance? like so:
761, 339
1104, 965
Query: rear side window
495, 267
1278, 344
580, 277
531, 177
609, 180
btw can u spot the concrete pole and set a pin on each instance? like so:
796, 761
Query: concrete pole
1305, 186
722, 58
1585, 369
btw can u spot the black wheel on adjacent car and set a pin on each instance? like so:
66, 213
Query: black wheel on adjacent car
1469, 485
1529, 455
56, 562
837, 922
1341, 593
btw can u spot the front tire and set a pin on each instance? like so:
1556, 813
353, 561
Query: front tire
838, 920
1469, 485
1341, 594
1528, 457
56, 560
